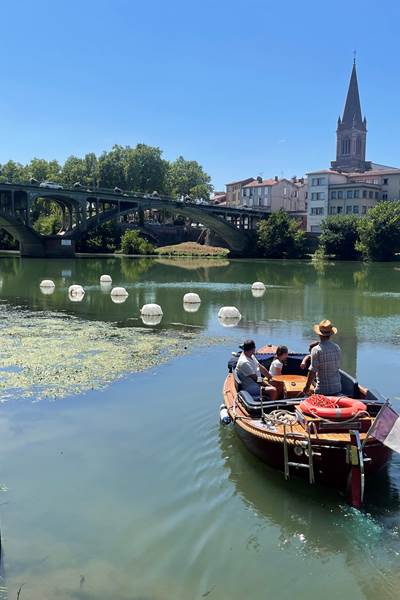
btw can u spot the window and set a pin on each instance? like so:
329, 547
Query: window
355, 209
340, 195
365, 193
333, 195
306, 196
317, 211
363, 210
356, 194
332, 210
371, 194
376, 195
348, 210
385, 181
349, 193
339, 210
358, 145
317, 195
318, 181
384, 196
346, 146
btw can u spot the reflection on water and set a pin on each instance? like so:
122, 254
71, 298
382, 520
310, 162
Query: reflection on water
134, 492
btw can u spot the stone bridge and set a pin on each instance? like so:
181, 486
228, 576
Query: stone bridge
84, 210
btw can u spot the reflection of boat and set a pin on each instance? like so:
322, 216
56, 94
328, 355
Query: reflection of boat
333, 452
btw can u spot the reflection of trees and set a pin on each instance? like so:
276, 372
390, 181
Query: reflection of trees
133, 268
316, 522
192, 264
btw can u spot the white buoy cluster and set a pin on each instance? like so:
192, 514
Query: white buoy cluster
152, 314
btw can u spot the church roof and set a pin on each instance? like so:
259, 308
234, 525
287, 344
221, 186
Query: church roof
352, 108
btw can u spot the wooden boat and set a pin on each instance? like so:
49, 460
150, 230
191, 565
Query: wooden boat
327, 451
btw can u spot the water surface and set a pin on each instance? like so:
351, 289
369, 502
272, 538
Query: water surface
134, 491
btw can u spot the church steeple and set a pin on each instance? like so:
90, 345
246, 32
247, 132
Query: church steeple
352, 109
351, 132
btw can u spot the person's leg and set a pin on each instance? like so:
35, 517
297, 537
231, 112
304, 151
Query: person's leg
271, 392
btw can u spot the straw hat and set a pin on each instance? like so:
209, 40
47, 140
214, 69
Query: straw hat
325, 328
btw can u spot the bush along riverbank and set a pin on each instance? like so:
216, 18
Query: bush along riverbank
375, 236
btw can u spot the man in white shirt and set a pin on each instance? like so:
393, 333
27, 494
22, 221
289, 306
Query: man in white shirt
250, 372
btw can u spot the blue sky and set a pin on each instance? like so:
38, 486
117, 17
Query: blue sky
244, 87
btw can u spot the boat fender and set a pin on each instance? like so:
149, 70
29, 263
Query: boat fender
224, 415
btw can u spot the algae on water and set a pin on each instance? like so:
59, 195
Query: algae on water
52, 355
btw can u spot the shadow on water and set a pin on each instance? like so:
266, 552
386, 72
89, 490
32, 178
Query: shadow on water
316, 521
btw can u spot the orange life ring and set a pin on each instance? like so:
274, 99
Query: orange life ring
332, 407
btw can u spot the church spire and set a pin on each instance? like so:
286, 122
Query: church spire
351, 132
352, 109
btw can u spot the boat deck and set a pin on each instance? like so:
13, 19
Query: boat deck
295, 433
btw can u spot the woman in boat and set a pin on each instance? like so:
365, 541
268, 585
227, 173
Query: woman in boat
277, 364
325, 362
249, 371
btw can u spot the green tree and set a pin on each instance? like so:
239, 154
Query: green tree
82, 170
112, 168
339, 236
187, 177
280, 236
105, 238
44, 170
379, 231
145, 169
13, 172
132, 243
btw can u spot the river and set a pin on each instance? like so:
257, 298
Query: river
117, 481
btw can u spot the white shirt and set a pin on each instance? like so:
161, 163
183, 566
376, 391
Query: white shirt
276, 367
245, 367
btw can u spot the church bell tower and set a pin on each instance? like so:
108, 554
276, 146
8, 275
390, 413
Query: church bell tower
351, 133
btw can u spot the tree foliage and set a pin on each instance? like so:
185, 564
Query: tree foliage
132, 243
280, 236
187, 177
141, 168
339, 236
379, 232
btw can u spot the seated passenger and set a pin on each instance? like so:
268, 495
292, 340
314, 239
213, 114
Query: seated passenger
276, 366
306, 362
249, 372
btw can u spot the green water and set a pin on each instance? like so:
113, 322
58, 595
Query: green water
132, 490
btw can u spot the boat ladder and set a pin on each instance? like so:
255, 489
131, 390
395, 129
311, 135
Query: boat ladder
308, 451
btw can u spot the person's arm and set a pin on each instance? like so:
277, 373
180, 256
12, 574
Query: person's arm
313, 370
265, 372
305, 362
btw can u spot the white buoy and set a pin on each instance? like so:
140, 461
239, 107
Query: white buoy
119, 299
119, 291
191, 307
106, 279
47, 291
151, 309
76, 290
151, 319
257, 292
191, 298
76, 297
47, 283
258, 285
229, 316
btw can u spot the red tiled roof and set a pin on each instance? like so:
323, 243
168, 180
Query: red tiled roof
240, 181
261, 183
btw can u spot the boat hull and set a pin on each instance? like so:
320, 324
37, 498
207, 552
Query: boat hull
331, 462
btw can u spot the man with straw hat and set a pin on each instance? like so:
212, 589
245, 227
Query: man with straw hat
325, 362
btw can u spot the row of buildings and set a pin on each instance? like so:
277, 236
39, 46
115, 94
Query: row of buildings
351, 186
